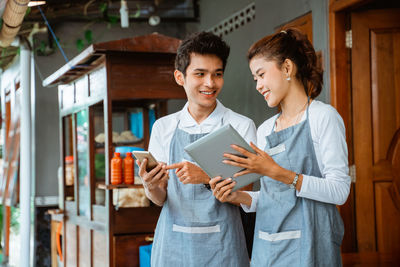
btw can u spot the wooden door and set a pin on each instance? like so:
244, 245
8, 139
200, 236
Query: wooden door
376, 124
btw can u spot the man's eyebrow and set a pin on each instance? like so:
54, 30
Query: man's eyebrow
205, 70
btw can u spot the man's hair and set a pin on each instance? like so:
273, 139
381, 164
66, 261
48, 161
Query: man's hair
203, 43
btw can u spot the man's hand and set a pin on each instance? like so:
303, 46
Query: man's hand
189, 173
158, 176
222, 190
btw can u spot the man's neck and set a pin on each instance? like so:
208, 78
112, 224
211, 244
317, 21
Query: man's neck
200, 113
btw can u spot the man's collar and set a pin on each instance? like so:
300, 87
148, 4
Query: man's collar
186, 120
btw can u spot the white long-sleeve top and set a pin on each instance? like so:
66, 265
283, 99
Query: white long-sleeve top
164, 128
329, 140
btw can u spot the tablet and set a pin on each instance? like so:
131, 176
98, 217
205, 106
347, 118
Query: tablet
151, 161
208, 153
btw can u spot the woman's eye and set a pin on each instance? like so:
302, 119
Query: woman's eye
261, 75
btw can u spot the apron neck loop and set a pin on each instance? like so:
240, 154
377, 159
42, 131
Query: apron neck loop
222, 120
308, 105
279, 114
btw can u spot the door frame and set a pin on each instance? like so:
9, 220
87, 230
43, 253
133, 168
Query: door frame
341, 99
340, 94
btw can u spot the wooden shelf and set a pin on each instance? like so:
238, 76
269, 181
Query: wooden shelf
102, 185
127, 143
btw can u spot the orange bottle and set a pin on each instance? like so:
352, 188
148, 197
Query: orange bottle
129, 174
116, 169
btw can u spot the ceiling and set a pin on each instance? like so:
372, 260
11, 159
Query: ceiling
78, 10
58, 11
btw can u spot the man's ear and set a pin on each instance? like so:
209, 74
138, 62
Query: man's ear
179, 77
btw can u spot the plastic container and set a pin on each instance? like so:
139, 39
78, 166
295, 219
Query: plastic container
129, 167
145, 255
125, 149
69, 170
116, 169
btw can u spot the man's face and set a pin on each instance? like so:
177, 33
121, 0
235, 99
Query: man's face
203, 81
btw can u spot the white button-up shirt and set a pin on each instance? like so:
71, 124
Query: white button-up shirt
329, 139
164, 128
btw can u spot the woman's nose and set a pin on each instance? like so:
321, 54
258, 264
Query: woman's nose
259, 86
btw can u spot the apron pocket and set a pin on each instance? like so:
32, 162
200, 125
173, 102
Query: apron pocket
201, 244
196, 230
284, 247
279, 236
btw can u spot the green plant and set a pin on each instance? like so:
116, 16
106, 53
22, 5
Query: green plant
14, 222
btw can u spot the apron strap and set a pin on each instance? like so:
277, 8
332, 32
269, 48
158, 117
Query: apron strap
308, 106
273, 126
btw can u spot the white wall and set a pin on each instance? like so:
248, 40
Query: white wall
239, 91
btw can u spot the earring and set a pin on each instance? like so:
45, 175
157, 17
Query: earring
288, 78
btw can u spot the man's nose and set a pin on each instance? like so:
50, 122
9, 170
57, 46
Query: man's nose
209, 81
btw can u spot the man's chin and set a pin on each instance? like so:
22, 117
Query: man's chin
210, 103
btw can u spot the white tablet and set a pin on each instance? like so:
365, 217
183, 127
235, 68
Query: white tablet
208, 153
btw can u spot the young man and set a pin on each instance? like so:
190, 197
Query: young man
194, 229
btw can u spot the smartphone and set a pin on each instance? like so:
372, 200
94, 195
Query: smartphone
151, 161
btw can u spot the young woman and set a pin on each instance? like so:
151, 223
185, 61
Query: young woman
302, 154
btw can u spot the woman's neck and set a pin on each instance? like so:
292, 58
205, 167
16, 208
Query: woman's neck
294, 102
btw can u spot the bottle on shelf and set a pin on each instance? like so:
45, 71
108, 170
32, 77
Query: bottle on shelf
129, 165
116, 169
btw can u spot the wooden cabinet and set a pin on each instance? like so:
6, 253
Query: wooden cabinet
108, 90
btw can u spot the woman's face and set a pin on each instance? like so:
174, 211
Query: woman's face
270, 78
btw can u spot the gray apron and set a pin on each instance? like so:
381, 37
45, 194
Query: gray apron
291, 230
195, 229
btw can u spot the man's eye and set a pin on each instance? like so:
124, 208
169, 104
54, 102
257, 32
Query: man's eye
200, 74
219, 74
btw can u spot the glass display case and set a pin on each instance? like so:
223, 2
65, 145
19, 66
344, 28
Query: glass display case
108, 100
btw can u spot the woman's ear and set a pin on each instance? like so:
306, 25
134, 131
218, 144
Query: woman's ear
288, 67
179, 77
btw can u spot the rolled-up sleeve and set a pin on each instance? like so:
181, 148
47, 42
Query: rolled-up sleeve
254, 199
334, 185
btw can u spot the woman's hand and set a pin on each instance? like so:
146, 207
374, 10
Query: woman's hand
259, 162
155, 178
